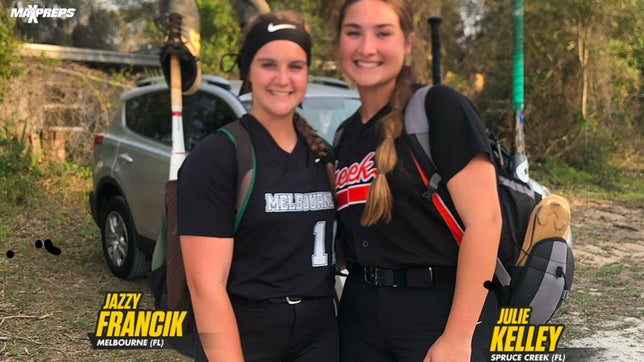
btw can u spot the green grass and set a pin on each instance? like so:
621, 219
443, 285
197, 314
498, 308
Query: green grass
599, 295
609, 183
52, 301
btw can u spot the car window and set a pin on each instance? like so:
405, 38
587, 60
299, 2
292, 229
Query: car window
206, 114
150, 116
326, 113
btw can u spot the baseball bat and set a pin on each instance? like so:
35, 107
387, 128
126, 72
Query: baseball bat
180, 64
178, 151
175, 278
519, 160
434, 26
182, 21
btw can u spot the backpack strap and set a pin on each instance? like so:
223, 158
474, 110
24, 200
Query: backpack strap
417, 127
246, 163
448, 217
416, 122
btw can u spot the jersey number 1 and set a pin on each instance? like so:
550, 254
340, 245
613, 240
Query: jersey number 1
320, 257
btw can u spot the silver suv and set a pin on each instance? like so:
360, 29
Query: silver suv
131, 159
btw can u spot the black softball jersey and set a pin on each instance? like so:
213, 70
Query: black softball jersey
416, 235
284, 243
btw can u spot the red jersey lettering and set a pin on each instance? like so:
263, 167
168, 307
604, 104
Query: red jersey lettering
357, 173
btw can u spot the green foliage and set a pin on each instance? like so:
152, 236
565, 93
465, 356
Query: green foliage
321, 39
8, 45
18, 176
565, 148
219, 33
609, 183
23, 180
580, 56
594, 146
555, 173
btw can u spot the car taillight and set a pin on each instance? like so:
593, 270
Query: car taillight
98, 139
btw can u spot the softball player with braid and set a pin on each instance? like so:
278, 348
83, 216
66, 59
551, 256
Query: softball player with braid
265, 291
412, 294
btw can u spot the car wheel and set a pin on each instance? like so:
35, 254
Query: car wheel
120, 249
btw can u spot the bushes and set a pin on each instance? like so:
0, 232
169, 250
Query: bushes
8, 56
18, 172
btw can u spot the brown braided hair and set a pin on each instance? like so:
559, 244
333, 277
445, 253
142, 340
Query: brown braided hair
316, 145
380, 199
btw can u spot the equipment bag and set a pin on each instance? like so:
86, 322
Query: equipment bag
545, 279
159, 277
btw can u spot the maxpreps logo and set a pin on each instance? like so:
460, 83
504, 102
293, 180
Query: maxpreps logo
121, 326
33, 12
515, 339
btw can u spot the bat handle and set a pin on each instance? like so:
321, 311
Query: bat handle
434, 26
178, 153
519, 159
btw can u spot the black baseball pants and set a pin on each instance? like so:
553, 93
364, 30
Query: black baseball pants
386, 324
281, 332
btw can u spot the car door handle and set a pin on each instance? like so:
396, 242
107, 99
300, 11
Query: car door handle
125, 157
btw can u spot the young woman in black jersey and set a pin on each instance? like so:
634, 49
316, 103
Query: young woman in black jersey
412, 294
263, 291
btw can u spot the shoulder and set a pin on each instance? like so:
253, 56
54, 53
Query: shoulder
439, 98
442, 94
215, 142
443, 101
216, 148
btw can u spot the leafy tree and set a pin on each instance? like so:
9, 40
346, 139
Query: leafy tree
583, 73
137, 30
8, 46
219, 34
584, 60
99, 32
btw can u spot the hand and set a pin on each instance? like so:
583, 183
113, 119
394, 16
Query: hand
449, 350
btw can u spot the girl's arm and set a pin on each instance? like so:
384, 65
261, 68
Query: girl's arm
475, 196
207, 263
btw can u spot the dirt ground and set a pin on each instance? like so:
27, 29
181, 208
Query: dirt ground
604, 310
49, 303
607, 233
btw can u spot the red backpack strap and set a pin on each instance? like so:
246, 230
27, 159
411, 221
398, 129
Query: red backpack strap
446, 214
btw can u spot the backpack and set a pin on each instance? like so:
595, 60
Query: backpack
540, 281
167, 279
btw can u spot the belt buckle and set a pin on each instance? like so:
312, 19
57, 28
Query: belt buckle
293, 300
431, 275
372, 276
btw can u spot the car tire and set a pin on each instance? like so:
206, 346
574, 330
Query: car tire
118, 235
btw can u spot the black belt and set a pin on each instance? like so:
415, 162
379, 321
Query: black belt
417, 277
263, 303
289, 300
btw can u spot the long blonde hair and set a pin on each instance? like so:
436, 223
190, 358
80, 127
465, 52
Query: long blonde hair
380, 200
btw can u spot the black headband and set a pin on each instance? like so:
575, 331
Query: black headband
268, 30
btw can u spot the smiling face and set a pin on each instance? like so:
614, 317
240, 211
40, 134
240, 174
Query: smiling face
373, 45
278, 74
